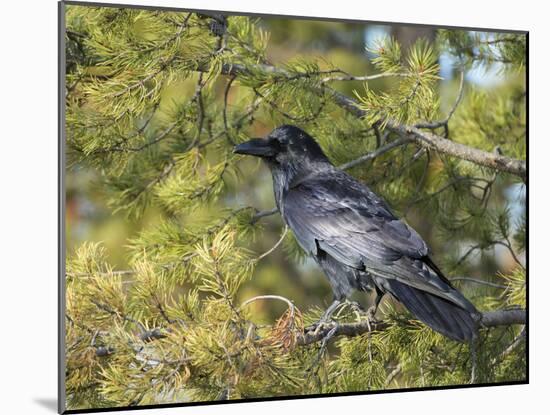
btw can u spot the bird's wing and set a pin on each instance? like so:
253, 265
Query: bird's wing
344, 218
340, 212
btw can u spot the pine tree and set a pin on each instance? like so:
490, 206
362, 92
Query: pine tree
156, 101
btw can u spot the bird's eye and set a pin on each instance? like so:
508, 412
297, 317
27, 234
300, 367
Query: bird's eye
278, 143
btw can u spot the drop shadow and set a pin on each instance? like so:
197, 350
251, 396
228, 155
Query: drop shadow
48, 403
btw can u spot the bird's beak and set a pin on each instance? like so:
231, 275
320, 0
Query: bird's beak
258, 147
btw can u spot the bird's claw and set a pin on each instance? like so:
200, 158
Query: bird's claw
371, 319
356, 307
326, 318
317, 326
371, 314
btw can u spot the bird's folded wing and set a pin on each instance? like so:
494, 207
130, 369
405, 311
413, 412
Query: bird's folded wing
349, 222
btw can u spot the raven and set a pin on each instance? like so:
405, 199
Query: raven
354, 236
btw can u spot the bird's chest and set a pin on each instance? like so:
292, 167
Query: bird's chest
280, 189
305, 238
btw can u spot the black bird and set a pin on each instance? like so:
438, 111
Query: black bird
355, 238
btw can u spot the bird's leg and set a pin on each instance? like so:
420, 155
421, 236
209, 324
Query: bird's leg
330, 311
325, 318
371, 312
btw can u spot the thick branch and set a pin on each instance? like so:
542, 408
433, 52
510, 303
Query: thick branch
503, 317
443, 145
464, 152
423, 138
489, 319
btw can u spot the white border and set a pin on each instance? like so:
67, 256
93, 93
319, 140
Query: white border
29, 204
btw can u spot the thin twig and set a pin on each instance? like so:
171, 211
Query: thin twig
119, 314
396, 371
274, 247
445, 122
374, 154
349, 77
263, 213
237, 124
508, 245
481, 282
225, 97
511, 347
291, 306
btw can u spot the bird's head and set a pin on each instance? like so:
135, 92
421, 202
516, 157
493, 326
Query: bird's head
285, 146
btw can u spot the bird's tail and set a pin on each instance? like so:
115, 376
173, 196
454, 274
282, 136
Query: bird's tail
458, 322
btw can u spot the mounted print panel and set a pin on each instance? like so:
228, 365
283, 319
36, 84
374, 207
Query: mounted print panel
273, 207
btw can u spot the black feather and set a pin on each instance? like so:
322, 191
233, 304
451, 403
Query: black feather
441, 315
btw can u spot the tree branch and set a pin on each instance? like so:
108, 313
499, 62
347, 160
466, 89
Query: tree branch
480, 282
414, 134
372, 155
480, 157
445, 122
504, 317
489, 319
432, 141
274, 247
263, 213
